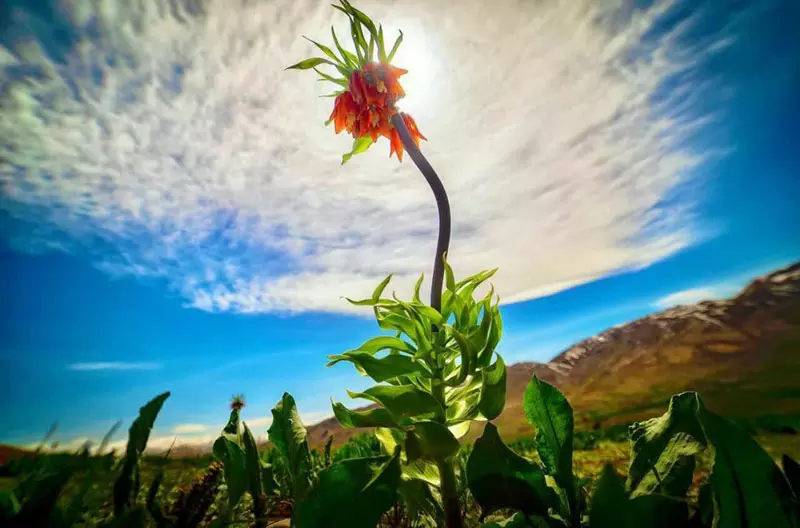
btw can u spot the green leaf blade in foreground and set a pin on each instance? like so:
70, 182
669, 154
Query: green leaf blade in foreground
499, 478
290, 437
493, 389
234, 468
548, 410
310, 63
435, 441
127, 483
748, 487
663, 449
353, 493
609, 503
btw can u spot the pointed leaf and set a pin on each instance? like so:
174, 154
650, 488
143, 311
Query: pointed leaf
417, 288
378, 417
403, 402
360, 145
382, 286
325, 77
493, 389
326, 50
395, 47
353, 493
289, 435
252, 463
310, 63
350, 59
609, 506
548, 410
792, 471
499, 478
381, 369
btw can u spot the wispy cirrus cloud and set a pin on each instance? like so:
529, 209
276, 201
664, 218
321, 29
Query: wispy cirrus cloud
177, 147
113, 365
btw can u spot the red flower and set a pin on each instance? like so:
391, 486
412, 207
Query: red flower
367, 107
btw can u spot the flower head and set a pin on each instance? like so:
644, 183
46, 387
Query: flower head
237, 402
365, 105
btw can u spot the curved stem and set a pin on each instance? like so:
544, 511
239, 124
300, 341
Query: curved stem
442, 203
448, 488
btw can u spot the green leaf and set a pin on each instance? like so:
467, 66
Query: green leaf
310, 63
289, 435
609, 505
466, 352
419, 501
376, 344
404, 403
435, 440
350, 59
378, 417
449, 277
395, 47
499, 478
381, 369
381, 287
353, 493
517, 520
361, 17
252, 463
663, 449
234, 467
550, 412
233, 426
748, 487
325, 77
792, 471
268, 480
493, 389
127, 484
381, 45
326, 50
417, 288
360, 145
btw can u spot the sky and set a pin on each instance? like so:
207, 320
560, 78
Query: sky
174, 215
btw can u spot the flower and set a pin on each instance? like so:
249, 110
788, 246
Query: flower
364, 108
237, 402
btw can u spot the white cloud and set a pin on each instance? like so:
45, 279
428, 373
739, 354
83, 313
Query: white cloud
189, 429
696, 295
692, 296
545, 122
113, 365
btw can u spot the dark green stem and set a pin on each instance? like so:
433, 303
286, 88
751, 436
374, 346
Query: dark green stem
450, 502
442, 203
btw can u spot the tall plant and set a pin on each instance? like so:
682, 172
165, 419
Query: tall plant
439, 371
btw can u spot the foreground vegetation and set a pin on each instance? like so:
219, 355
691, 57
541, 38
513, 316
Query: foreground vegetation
687, 467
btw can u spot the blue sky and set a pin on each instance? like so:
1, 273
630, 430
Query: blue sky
127, 275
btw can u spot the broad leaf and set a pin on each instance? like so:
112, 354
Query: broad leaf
289, 436
663, 449
349, 419
353, 493
792, 471
381, 369
548, 410
403, 402
493, 389
748, 487
435, 441
500, 478
234, 467
609, 505
252, 463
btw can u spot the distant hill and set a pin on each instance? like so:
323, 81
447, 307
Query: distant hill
742, 355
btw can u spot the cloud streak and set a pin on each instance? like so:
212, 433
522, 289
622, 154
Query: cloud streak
178, 148
113, 365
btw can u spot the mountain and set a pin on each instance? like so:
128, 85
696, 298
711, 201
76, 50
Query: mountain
741, 354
